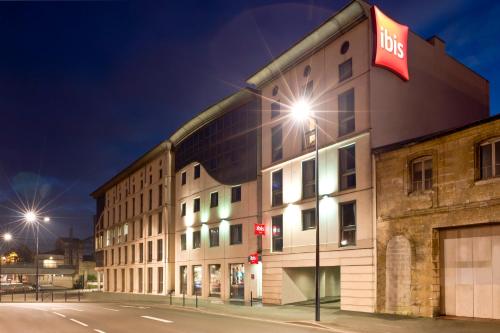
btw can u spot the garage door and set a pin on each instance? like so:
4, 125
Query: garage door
470, 274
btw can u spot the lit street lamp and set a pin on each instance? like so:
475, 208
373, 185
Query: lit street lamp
301, 111
7, 237
32, 218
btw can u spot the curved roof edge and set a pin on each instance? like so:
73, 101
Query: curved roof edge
212, 112
337, 24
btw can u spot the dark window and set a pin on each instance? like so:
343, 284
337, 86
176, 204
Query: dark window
347, 165
160, 195
277, 143
309, 219
345, 70
275, 90
132, 254
160, 280
308, 179
159, 249
150, 251
150, 225
119, 256
183, 242
277, 188
183, 178
307, 71
141, 252
125, 253
160, 222
112, 256
347, 223
197, 171
275, 109
236, 234
214, 199
346, 113
489, 159
150, 199
183, 209
196, 239
150, 280
214, 236
308, 89
344, 48
140, 280
133, 206
160, 173
131, 280
141, 228
277, 233
235, 193
421, 174
151, 179
196, 205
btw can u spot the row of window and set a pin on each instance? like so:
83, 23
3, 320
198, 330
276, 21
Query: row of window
235, 237
123, 253
214, 200
131, 276
120, 233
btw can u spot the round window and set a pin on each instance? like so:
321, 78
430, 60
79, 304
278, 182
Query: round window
344, 48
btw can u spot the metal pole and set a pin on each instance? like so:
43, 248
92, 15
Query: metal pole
24, 295
183, 298
78, 295
316, 190
36, 258
196, 296
251, 298
52, 296
170, 298
65, 296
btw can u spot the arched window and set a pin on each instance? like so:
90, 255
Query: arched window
421, 174
489, 158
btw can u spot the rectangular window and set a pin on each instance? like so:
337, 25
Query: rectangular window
132, 254
347, 213
119, 256
141, 253
150, 199
308, 178
277, 233
141, 228
197, 279
489, 159
150, 280
125, 252
197, 171
309, 219
150, 251
126, 210
160, 195
115, 278
214, 199
421, 174
123, 280
275, 109
346, 113
183, 178
160, 280
235, 193
345, 70
140, 280
183, 242
277, 188
214, 236
133, 206
236, 234
196, 239
160, 222
308, 89
141, 208
112, 256
276, 143
183, 209
183, 279
347, 165
150, 225
131, 280
159, 249
196, 205
215, 280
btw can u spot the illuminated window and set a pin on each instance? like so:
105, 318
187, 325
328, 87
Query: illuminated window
235, 193
277, 233
276, 143
347, 213
345, 70
489, 159
196, 239
214, 199
346, 112
214, 236
308, 179
183, 178
309, 219
421, 174
236, 234
197, 171
347, 165
277, 188
309, 135
196, 205
183, 242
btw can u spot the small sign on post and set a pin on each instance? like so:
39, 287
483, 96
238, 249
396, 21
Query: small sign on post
253, 258
259, 229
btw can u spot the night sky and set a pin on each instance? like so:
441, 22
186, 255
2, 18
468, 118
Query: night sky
87, 87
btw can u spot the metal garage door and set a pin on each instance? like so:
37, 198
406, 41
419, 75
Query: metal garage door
470, 272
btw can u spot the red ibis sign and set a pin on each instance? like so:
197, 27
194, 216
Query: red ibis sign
390, 44
253, 258
259, 229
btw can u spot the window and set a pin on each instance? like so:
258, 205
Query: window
150, 280
213, 234
183, 278
277, 188
421, 174
150, 199
150, 225
276, 143
141, 253
307, 70
159, 249
112, 256
347, 223
150, 251
125, 252
308, 178
183, 178
183, 209
196, 239
308, 90
277, 233
160, 280
141, 229
151, 179
197, 171
309, 138
160, 173
142, 203
119, 256
346, 113
275, 109
236, 234
275, 90
309, 219
160, 222
132, 254
196, 205
345, 70
183, 242
197, 279
140, 280
214, 199
235, 193
160, 195
133, 206
345, 47
347, 165
489, 159
131, 280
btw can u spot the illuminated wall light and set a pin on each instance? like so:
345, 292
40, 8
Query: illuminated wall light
189, 219
205, 215
224, 226
292, 215
292, 183
224, 210
204, 228
328, 179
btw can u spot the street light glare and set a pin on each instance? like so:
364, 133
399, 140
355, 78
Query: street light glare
301, 109
7, 237
46, 219
30, 216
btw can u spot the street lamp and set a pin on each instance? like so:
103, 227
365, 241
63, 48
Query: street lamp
7, 237
301, 111
32, 218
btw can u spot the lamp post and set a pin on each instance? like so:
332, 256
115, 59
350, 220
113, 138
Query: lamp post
32, 218
301, 111
7, 237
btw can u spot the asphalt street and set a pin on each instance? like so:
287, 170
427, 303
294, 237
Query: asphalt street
123, 318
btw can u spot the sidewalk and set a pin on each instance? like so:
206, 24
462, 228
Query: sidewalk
336, 320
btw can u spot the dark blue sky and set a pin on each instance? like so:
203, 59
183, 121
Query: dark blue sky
86, 87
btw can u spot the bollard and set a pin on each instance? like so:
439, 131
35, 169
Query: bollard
52, 296
78, 295
65, 296
170, 298
183, 298
12, 296
24, 295
196, 298
42, 296
251, 299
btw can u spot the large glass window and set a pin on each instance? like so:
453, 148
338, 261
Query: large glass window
277, 233
197, 279
236, 234
276, 143
214, 236
215, 280
346, 113
347, 213
235, 193
347, 165
421, 174
308, 179
183, 279
489, 159
277, 188
196, 239
308, 219
237, 288
345, 70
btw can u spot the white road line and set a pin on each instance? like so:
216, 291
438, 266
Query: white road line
78, 322
59, 314
111, 309
158, 319
98, 331
135, 307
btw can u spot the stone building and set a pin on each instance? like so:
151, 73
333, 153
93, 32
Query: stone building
438, 223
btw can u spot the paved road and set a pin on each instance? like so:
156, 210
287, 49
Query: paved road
123, 318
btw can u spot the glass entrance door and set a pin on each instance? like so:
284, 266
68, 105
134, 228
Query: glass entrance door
184, 279
215, 281
237, 279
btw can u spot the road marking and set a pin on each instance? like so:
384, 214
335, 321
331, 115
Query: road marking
135, 307
98, 331
59, 314
111, 309
158, 319
78, 322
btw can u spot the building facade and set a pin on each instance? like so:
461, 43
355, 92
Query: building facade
438, 224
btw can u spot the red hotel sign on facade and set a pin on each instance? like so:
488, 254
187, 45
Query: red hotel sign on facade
259, 229
390, 44
253, 258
